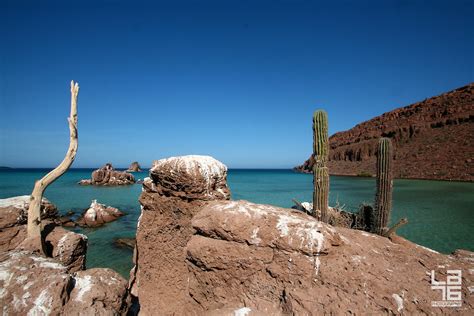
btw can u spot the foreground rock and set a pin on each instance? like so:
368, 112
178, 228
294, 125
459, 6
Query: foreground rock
67, 247
134, 167
34, 285
197, 253
107, 175
98, 214
432, 139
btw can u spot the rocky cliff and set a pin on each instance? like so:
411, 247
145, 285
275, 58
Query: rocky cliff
198, 253
433, 139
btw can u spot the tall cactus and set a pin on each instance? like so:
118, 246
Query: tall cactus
383, 199
320, 169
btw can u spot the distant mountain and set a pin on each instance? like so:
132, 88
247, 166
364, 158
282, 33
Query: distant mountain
433, 139
4, 168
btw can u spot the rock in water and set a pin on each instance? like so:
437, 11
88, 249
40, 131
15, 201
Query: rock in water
125, 243
35, 285
107, 175
134, 167
199, 253
99, 214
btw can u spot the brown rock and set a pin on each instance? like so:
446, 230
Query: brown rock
170, 198
199, 254
97, 291
67, 221
107, 175
134, 167
438, 130
194, 177
34, 285
98, 214
14, 211
13, 219
68, 248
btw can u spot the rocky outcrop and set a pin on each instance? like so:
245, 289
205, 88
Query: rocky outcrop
197, 253
107, 175
98, 214
134, 167
193, 177
173, 194
67, 247
34, 285
432, 140
14, 211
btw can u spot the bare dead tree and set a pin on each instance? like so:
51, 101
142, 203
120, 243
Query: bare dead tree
34, 228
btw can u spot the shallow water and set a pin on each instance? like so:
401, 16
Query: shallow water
440, 214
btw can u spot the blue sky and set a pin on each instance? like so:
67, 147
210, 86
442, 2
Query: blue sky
237, 80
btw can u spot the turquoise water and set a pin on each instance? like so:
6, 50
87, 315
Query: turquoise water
440, 214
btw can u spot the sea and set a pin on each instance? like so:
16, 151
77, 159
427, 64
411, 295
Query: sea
440, 213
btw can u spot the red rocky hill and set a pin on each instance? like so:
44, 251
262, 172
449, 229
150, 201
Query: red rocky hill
433, 139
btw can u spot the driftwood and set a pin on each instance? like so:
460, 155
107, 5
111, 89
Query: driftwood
34, 229
394, 228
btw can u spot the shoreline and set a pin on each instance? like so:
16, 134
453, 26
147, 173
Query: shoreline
395, 178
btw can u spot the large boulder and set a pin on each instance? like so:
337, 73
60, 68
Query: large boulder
14, 211
67, 247
98, 291
192, 177
197, 253
35, 285
98, 214
107, 175
173, 194
134, 167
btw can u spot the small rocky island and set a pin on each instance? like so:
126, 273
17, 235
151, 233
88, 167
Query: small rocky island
108, 176
134, 167
98, 214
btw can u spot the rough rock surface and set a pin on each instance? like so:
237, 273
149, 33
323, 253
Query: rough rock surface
194, 177
134, 167
14, 211
107, 175
98, 214
67, 247
176, 189
34, 285
433, 139
211, 256
14, 216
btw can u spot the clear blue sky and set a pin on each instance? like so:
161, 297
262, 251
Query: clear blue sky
237, 80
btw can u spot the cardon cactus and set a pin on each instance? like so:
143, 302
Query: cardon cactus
320, 169
383, 199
